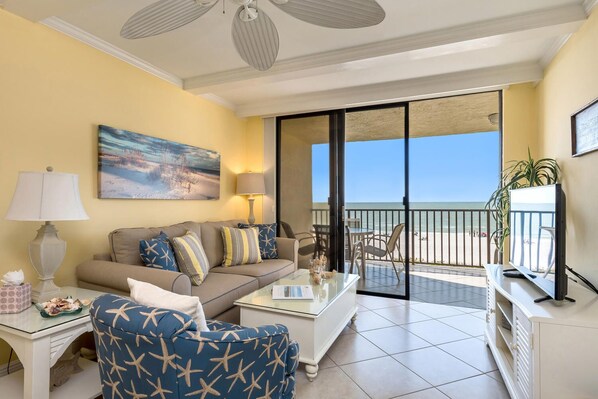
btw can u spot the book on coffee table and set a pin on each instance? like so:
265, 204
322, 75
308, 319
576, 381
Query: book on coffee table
292, 292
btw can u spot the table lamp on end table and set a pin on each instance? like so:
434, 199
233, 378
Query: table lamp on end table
251, 184
42, 197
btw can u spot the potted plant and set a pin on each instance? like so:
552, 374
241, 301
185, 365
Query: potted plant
524, 173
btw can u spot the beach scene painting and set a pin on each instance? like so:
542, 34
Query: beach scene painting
136, 166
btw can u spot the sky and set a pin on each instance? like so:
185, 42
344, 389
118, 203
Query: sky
117, 142
454, 168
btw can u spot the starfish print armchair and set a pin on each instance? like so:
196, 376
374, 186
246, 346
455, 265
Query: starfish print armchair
148, 352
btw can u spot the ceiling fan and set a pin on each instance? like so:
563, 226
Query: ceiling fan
254, 34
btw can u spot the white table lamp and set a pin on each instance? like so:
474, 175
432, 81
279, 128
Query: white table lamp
43, 197
251, 184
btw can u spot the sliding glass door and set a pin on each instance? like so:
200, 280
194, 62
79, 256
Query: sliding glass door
307, 193
375, 194
342, 186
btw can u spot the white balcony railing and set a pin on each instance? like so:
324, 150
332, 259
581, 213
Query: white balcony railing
457, 237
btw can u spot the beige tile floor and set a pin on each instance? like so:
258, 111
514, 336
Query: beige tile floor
408, 350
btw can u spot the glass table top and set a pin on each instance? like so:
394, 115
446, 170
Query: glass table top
324, 294
31, 321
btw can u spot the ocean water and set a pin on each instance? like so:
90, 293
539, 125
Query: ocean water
413, 205
427, 217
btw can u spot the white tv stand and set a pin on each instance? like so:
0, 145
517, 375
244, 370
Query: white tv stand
543, 350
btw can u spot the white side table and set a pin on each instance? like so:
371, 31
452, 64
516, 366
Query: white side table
39, 343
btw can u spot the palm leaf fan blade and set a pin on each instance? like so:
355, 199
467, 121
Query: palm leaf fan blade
256, 41
161, 17
338, 14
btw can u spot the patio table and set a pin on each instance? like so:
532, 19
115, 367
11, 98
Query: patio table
358, 234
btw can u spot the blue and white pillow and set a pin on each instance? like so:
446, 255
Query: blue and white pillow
157, 253
267, 238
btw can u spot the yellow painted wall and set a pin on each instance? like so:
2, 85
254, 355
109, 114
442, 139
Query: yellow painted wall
520, 122
520, 129
570, 82
54, 91
255, 158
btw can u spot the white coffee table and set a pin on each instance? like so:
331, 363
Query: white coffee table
315, 324
39, 343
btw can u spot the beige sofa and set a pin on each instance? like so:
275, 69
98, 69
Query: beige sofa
221, 287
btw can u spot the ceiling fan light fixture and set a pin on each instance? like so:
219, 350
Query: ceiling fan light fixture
248, 14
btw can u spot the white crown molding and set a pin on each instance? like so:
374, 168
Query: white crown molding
556, 46
219, 100
557, 21
413, 89
589, 5
97, 43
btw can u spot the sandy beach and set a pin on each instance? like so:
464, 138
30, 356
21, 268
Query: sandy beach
451, 249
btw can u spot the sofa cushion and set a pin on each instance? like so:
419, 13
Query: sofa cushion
267, 236
191, 257
211, 239
266, 272
158, 253
124, 243
219, 291
241, 246
150, 295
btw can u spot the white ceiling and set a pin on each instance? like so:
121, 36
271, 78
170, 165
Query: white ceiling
423, 48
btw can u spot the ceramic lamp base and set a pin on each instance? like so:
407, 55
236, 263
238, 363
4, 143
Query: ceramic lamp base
251, 218
46, 252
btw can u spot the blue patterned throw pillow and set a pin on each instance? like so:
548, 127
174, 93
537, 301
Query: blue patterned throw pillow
267, 237
157, 252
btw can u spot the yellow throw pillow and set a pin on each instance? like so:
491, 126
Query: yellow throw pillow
191, 257
241, 246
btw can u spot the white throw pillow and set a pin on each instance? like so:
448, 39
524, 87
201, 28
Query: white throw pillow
149, 295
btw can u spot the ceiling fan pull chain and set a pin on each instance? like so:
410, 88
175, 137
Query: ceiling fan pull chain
223, 6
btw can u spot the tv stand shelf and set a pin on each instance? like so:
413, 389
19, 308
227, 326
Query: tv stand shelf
543, 350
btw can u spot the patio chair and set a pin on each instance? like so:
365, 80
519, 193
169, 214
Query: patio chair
307, 241
353, 222
322, 232
381, 246
352, 248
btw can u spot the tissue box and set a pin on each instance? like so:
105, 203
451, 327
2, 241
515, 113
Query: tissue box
15, 298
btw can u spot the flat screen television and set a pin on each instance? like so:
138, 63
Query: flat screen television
537, 237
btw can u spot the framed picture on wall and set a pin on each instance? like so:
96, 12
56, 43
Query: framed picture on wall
584, 130
136, 166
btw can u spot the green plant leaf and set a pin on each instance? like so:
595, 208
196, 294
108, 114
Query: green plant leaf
518, 174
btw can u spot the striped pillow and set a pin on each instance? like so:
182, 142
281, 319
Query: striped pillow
191, 257
241, 246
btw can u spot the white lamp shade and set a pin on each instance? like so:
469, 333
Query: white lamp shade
46, 196
250, 184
